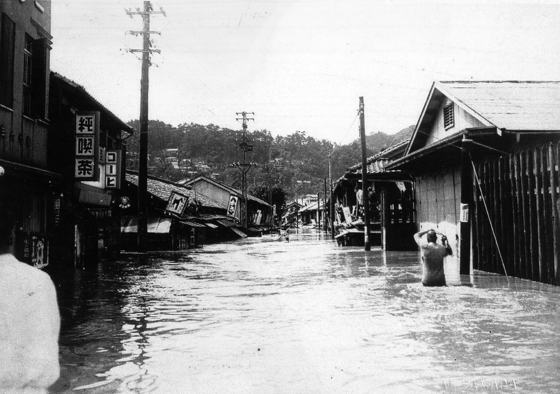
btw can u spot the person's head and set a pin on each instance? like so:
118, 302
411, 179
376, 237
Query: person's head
431, 236
7, 225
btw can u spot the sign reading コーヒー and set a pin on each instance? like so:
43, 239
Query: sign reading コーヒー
113, 169
87, 147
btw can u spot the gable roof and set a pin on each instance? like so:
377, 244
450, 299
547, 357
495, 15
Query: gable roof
506, 105
162, 189
225, 187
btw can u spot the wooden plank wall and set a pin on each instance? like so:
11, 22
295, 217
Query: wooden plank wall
521, 216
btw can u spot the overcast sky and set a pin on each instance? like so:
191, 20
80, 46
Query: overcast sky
300, 65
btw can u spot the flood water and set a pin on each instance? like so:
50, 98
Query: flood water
263, 316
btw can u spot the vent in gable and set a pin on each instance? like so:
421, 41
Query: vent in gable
448, 116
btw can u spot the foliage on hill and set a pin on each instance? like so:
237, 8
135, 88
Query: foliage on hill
279, 162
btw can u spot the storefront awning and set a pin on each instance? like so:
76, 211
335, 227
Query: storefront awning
156, 225
238, 232
226, 223
192, 224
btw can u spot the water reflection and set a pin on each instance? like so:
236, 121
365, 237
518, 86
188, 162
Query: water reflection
262, 316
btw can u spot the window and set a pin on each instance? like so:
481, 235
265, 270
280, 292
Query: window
34, 77
27, 74
39, 99
448, 116
7, 40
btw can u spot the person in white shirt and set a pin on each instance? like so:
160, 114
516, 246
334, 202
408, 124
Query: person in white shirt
29, 321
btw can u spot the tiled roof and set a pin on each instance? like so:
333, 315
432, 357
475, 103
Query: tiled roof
512, 105
162, 189
228, 188
377, 162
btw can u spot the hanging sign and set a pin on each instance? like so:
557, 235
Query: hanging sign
87, 147
176, 203
465, 213
113, 169
232, 206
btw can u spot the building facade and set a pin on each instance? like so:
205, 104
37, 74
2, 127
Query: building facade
28, 186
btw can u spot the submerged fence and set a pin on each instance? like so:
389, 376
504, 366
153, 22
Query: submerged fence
516, 214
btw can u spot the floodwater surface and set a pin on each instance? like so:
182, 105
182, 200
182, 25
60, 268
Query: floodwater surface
305, 316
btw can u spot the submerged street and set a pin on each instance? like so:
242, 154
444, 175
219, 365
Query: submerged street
305, 316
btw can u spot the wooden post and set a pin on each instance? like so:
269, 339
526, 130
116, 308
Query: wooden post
500, 203
526, 230
547, 216
466, 203
533, 250
519, 226
539, 211
506, 196
477, 218
365, 197
552, 160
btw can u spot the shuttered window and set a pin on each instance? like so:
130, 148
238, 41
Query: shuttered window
7, 47
27, 74
448, 116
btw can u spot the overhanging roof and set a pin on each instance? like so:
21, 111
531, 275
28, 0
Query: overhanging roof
517, 106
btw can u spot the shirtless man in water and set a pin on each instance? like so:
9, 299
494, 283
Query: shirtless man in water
432, 257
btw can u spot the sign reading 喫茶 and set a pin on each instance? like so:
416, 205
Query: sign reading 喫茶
87, 147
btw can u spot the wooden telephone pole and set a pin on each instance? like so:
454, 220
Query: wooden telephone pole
365, 196
144, 86
244, 167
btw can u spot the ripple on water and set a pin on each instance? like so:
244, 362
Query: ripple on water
260, 316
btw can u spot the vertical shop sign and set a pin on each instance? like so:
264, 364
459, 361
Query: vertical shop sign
232, 206
56, 212
113, 169
87, 146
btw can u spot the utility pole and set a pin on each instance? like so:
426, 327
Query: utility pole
144, 86
325, 205
332, 213
243, 166
365, 197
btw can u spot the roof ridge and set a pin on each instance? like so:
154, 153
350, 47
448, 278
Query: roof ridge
497, 81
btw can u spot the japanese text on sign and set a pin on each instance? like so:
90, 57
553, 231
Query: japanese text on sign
112, 169
87, 147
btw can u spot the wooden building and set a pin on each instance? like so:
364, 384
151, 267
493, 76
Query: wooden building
391, 203
87, 226
197, 223
259, 212
291, 214
484, 155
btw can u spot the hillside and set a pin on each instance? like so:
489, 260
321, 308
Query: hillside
293, 165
